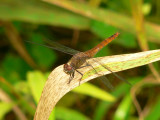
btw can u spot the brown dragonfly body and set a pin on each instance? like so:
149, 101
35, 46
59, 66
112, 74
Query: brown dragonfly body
80, 58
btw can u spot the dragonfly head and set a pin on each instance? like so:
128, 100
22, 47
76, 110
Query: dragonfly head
68, 69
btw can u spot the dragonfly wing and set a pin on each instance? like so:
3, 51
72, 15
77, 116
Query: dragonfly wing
59, 47
106, 67
106, 82
102, 78
55, 46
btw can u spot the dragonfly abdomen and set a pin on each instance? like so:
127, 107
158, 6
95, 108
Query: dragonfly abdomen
97, 48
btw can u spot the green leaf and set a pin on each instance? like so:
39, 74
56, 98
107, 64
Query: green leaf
123, 110
20, 89
109, 17
44, 56
123, 62
104, 31
154, 112
14, 68
68, 114
52, 115
101, 110
127, 40
36, 81
101, 29
69, 99
103, 107
93, 91
5, 108
39, 12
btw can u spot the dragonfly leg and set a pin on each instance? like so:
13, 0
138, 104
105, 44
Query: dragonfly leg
83, 66
102, 78
81, 77
93, 68
71, 77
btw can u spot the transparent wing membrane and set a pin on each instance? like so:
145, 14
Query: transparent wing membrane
102, 78
106, 67
105, 80
55, 46
61, 47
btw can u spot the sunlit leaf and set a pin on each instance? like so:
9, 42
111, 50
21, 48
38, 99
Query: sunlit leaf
71, 99
24, 89
93, 91
68, 114
4, 109
123, 110
36, 81
52, 115
146, 8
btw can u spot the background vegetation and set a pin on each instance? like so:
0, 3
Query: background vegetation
79, 24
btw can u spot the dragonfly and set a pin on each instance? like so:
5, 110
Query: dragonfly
79, 58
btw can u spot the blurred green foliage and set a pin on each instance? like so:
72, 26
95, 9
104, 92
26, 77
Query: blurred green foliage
22, 80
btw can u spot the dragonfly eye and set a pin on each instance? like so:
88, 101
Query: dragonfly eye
68, 69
